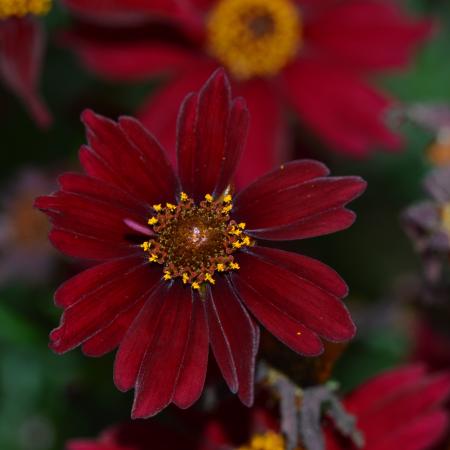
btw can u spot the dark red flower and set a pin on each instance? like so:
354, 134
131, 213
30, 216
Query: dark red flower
314, 56
196, 276
400, 409
21, 50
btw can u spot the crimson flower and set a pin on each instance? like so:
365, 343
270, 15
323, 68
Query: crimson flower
400, 409
21, 51
315, 57
181, 267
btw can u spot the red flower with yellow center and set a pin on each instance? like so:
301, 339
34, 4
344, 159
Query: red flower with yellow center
314, 57
181, 265
21, 52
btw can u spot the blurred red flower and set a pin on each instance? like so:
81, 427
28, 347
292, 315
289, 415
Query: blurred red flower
22, 40
316, 57
400, 409
164, 292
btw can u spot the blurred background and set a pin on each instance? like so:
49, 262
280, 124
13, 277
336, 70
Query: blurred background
46, 399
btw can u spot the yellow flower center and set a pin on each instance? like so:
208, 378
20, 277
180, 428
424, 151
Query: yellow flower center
254, 37
445, 217
20, 8
267, 441
193, 242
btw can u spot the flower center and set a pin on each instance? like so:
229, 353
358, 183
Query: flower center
194, 241
254, 37
439, 152
20, 8
267, 441
445, 217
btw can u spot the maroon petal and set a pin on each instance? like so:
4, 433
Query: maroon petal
133, 156
193, 372
339, 106
168, 99
126, 61
161, 366
306, 303
21, 52
110, 337
206, 122
418, 434
98, 307
233, 329
384, 385
294, 195
307, 268
91, 218
289, 331
89, 280
350, 34
123, 12
266, 145
138, 339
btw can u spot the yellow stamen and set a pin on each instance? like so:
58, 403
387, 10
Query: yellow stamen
153, 257
254, 38
171, 206
184, 196
195, 285
237, 244
185, 278
210, 279
242, 225
20, 8
157, 208
267, 441
246, 241
220, 267
227, 209
152, 221
234, 266
146, 246
209, 198
227, 198
167, 275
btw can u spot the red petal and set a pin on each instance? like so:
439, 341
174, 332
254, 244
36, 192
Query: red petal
266, 143
129, 61
366, 35
138, 339
110, 337
384, 385
289, 196
161, 366
169, 100
133, 155
123, 12
403, 406
98, 307
308, 268
203, 132
292, 333
341, 108
418, 434
76, 287
21, 52
298, 298
193, 372
230, 323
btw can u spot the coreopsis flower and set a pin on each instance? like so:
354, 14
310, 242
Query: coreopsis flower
181, 261
400, 409
428, 223
316, 58
26, 254
22, 42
